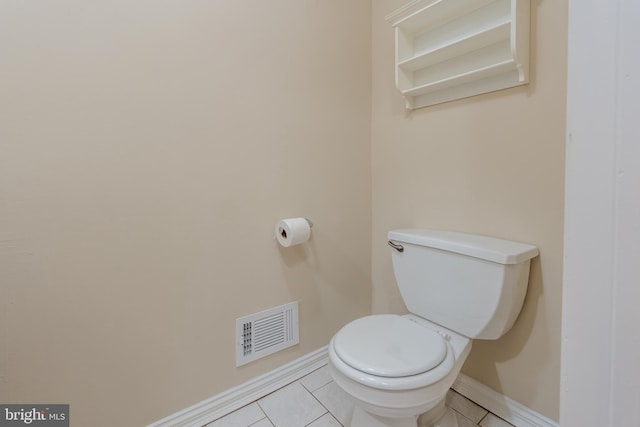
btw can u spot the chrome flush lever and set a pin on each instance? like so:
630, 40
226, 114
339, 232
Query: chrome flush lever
395, 246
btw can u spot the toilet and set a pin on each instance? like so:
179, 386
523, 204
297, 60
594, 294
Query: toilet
457, 287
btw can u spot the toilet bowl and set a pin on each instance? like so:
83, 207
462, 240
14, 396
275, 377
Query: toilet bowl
457, 287
361, 362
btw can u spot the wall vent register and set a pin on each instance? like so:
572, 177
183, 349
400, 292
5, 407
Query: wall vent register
452, 49
264, 333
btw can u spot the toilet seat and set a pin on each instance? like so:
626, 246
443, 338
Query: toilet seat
401, 383
389, 346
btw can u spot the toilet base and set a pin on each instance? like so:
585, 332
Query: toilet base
447, 420
436, 417
361, 418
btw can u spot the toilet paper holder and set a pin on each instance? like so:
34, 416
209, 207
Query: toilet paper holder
293, 231
284, 234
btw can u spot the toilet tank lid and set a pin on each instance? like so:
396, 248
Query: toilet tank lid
483, 247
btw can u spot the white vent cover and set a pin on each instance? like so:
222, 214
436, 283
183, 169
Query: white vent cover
264, 333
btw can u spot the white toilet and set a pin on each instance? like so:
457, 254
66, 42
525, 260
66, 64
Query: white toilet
457, 287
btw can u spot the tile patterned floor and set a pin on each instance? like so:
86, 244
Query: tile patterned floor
315, 401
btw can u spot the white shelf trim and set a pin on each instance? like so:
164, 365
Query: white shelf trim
470, 76
464, 44
459, 43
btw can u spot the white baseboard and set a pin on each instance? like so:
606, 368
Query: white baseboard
504, 407
228, 401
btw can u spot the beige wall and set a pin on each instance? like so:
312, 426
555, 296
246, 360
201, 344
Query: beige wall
146, 151
494, 165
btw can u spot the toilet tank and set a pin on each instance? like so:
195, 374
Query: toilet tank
473, 285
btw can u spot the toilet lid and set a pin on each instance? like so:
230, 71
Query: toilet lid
388, 345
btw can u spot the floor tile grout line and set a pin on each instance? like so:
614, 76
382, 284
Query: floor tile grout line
483, 417
316, 399
312, 393
265, 413
307, 425
487, 414
467, 418
265, 418
328, 411
316, 389
321, 404
307, 391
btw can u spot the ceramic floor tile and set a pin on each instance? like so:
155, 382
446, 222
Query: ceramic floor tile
305, 402
262, 423
465, 406
243, 417
336, 401
462, 420
316, 379
493, 421
291, 406
325, 421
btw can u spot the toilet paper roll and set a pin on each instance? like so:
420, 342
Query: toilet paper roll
292, 231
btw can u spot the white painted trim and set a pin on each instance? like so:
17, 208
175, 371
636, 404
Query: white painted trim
235, 398
228, 401
496, 403
600, 317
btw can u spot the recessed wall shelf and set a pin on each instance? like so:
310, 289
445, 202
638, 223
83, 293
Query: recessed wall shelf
452, 49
